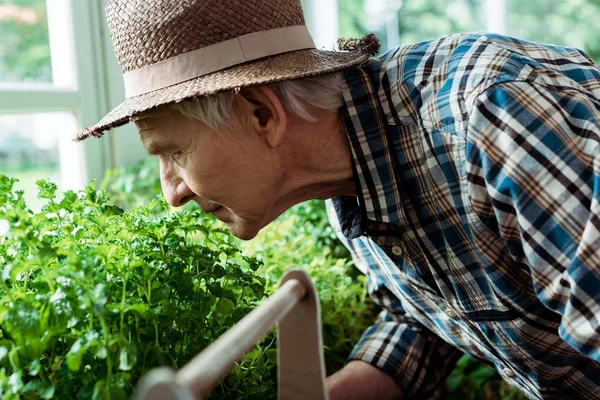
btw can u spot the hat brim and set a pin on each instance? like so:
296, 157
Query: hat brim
292, 65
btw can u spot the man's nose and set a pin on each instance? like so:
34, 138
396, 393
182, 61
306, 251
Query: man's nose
174, 188
177, 194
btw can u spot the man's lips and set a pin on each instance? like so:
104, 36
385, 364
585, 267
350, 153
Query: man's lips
221, 214
213, 209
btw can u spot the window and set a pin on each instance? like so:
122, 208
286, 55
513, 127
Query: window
34, 146
38, 93
57, 62
25, 50
396, 22
57, 75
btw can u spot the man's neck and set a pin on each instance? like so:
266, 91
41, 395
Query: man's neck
319, 164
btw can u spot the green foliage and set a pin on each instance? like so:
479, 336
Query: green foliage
135, 185
561, 22
25, 49
351, 17
92, 297
300, 238
565, 23
472, 380
303, 238
425, 20
418, 20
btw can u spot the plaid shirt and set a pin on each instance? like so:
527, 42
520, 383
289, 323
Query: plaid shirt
477, 162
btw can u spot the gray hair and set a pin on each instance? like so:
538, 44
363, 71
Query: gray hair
323, 92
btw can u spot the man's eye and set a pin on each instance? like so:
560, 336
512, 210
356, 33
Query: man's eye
176, 156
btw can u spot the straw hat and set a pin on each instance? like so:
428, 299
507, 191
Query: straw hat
172, 50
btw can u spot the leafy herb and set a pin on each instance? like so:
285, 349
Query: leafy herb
92, 297
303, 238
474, 380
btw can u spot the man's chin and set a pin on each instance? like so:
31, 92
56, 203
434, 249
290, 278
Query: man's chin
246, 229
244, 235
242, 232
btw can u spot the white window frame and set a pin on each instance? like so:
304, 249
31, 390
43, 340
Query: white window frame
88, 90
322, 19
496, 15
96, 85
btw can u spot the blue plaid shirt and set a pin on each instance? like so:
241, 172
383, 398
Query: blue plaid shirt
477, 220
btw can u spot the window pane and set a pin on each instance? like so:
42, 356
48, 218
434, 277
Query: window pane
36, 146
562, 22
24, 42
565, 23
399, 22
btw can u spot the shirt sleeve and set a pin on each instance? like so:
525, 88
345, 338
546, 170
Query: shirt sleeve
396, 343
533, 167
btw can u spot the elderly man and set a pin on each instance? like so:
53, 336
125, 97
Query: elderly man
464, 174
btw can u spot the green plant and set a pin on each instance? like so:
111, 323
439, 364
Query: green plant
472, 380
92, 297
25, 50
300, 238
135, 185
303, 238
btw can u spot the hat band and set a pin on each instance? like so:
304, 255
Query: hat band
216, 57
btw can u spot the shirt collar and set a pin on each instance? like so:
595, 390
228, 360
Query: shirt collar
377, 186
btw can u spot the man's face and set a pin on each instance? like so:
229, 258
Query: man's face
233, 174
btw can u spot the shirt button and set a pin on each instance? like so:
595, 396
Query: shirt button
451, 313
397, 250
509, 372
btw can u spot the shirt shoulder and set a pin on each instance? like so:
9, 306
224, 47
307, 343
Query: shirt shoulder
435, 83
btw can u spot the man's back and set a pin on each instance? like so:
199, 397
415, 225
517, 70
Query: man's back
476, 158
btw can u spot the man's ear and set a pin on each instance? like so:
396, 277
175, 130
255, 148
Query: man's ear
264, 114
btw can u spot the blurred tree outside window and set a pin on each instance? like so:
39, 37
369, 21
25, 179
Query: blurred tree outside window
32, 137
24, 42
30, 149
415, 20
562, 22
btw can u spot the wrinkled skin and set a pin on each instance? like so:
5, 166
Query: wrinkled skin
247, 174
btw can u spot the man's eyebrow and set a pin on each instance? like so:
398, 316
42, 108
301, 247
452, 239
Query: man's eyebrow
154, 148
142, 117
142, 124
151, 146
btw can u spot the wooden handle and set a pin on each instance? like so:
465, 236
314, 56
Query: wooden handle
203, 372
301, 365
206, 369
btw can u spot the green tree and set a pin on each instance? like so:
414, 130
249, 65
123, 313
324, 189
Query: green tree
566, 23
418, 19
24, 44
426, 20
352, 23
562, 22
